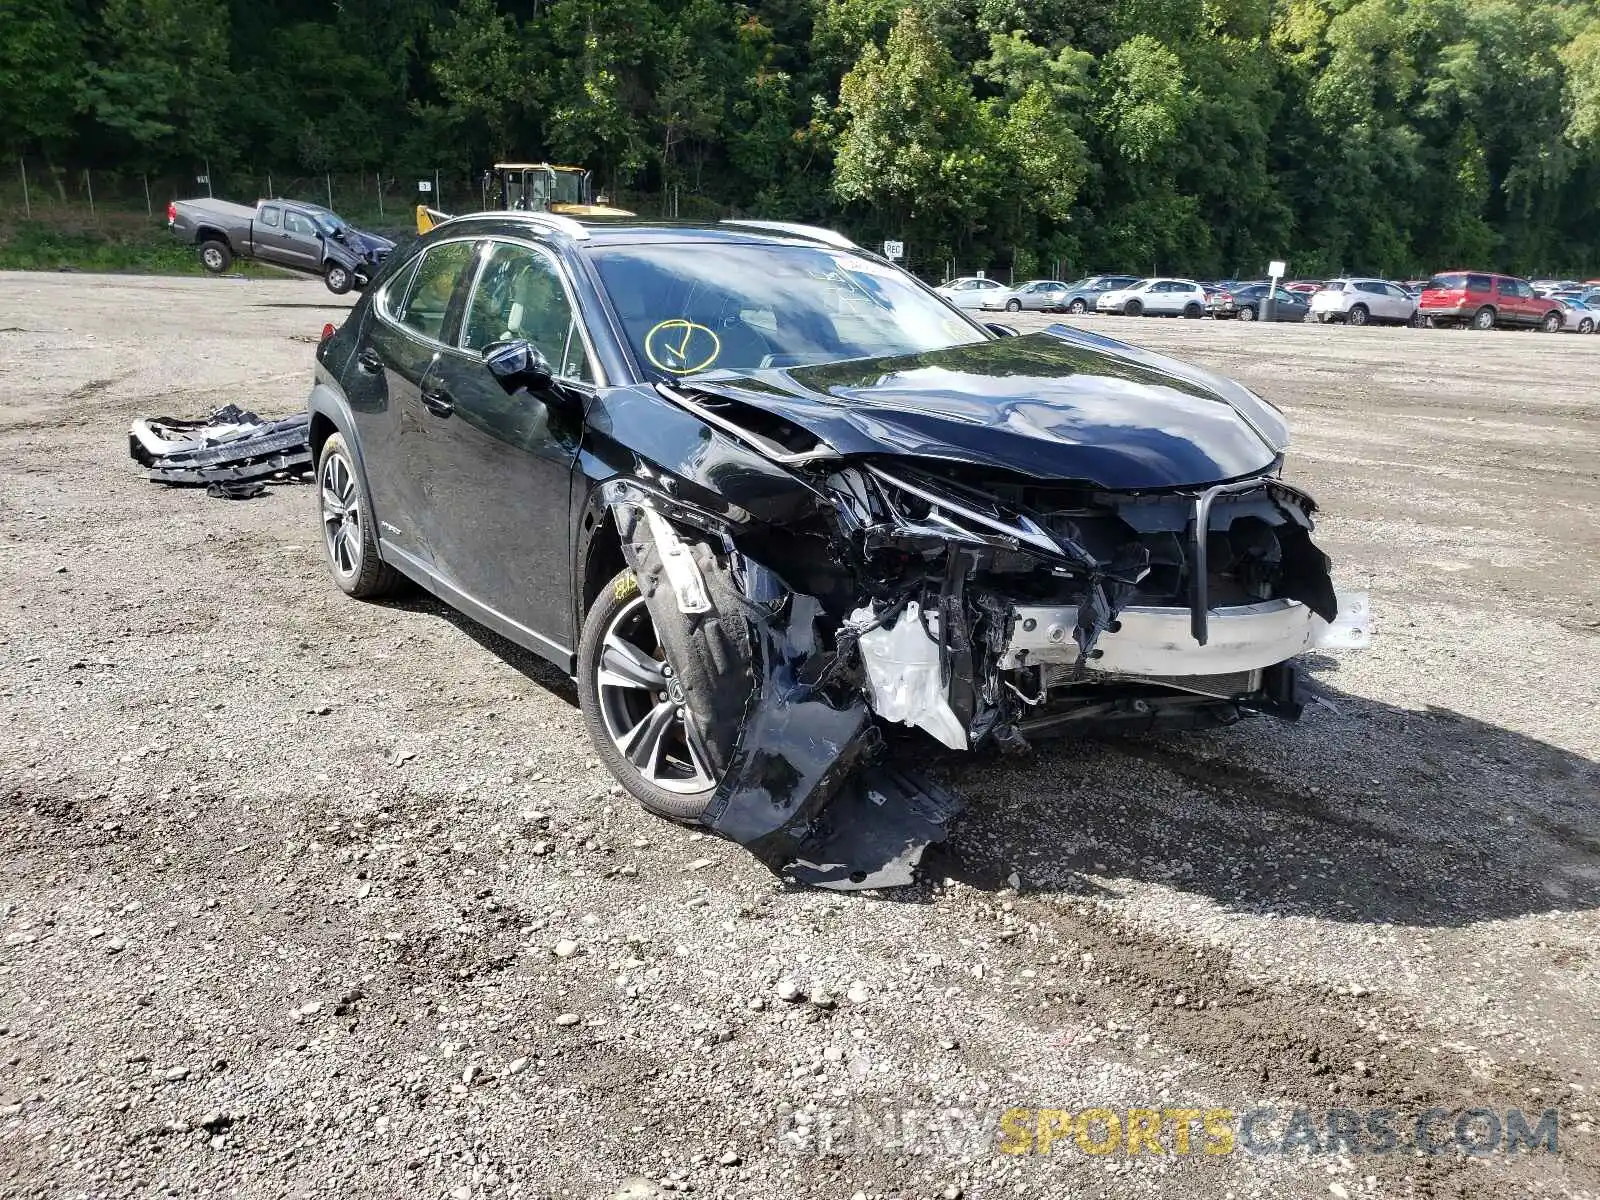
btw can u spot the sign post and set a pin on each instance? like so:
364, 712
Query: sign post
1269, 303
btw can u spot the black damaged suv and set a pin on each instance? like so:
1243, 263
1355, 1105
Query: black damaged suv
761, 491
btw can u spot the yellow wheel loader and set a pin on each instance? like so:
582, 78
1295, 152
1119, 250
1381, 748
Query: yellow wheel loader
533, 187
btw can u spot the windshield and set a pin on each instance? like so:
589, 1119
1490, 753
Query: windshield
328, 223
568, 188
711, 307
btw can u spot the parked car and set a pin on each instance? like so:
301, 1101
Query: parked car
1484, 300
1155, 298
285, 233
1248, 303
1580, 318
1082, 295
786, 527
1037, 295
970, 291
1358, 301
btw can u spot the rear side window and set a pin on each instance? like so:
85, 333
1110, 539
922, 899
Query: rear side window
1479, 283
1375, 288
427, 301
1450, 283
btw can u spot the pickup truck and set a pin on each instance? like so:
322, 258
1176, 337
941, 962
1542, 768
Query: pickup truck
285, 233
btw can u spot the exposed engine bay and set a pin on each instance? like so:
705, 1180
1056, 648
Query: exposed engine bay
980, 607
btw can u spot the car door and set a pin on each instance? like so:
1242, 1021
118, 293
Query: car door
1529, 308
501, 464
1289, 306
1401, 306
300, 245
402, 340
1160, 298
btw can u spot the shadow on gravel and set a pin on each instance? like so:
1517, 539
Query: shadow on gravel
1361, 812
535, 669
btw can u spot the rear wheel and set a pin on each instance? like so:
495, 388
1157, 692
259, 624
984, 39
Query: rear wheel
1247, 313
349, 533
1552, 322
1133, 308
1357, 315
1483, 318
215, 256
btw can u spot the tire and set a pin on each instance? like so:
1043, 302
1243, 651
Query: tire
1552, 322
339, 278
215, 256
1246, 313
349, 531
708, 672
1357, 315
1013, 305
1483, 318
1078, 307
1586, 325
1133, 308
1193, 312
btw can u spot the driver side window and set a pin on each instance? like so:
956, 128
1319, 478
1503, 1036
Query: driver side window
519, 295
293, 222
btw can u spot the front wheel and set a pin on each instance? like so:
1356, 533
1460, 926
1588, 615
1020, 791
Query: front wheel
1133, 308
1078, 307
1013, 305
215, 256
1586, 325
1194, 312
340, 279
639, 701
1552, 322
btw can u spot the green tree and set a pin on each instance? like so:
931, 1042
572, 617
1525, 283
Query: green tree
41, 73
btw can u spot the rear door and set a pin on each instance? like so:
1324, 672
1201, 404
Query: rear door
411, 316
501, 465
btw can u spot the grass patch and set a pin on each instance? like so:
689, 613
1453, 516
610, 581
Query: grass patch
131, 246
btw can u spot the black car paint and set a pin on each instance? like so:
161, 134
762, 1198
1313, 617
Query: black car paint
501, 504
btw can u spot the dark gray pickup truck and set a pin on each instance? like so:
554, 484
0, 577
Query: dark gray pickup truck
285, 233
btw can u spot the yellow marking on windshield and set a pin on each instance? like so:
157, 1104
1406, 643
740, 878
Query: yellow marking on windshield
687, 346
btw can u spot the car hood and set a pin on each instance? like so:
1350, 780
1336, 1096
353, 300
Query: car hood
367, 243
1064, 404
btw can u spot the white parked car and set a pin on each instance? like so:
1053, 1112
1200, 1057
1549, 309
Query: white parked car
1580, 318
1037, 295
1360, 301
970, 291
1156, 298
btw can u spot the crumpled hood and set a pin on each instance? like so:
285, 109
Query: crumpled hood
1063, 404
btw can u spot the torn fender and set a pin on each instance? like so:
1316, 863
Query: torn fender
788, 729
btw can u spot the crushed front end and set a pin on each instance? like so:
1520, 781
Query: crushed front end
977, 606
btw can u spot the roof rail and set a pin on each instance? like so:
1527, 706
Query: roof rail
815, 232
553, 221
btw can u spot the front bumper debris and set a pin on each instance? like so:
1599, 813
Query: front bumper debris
228, 447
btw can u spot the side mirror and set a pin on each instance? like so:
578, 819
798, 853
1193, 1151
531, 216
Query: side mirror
518, 364
1002, 330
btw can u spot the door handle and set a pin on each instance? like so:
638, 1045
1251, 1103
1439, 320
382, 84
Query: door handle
369, 361
437, 400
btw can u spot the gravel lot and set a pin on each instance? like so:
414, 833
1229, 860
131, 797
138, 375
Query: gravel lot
303, 896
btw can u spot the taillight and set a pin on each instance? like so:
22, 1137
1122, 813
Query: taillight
328, 331
172, 212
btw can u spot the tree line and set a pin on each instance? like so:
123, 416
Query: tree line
1196, 136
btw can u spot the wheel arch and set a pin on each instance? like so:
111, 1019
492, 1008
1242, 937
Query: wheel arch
330, 414
210, 233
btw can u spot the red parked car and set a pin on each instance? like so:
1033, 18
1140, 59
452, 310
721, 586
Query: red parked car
1483, 300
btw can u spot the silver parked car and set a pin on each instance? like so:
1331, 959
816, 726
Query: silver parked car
970, 291
1360, 301
1156, 298
1037, 295
1580, 317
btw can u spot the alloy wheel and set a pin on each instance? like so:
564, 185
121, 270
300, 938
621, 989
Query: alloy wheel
642, 705
341, 516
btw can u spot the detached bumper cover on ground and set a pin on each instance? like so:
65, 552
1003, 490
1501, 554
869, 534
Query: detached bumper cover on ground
231, 446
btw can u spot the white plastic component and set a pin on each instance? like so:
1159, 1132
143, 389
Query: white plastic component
903, 674
682, 574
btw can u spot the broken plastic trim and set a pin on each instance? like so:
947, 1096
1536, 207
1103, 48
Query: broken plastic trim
229, 446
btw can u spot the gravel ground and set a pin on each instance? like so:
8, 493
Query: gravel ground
303, 896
